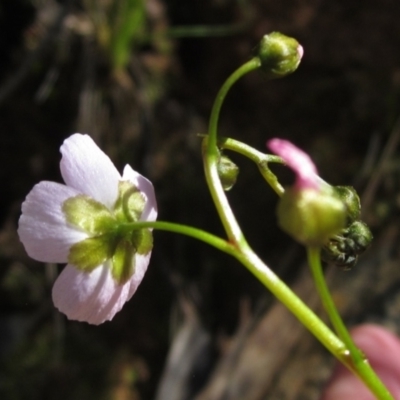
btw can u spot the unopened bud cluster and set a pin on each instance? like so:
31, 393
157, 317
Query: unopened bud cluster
344, 248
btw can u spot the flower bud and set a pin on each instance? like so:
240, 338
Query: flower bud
227, 172
350, 198
361, 236
280, 55
310, 211
344, 248
311, 216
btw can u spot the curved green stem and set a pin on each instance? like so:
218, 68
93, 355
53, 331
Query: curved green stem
356, 360
211, 157
204, 236
261, 159
247, 257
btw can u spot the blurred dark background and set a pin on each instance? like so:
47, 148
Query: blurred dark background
140, 77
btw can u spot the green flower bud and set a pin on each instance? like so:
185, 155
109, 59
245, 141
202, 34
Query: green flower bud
350, 198
343, 249
227, 172
361, 236
311, 216
339, 251
280, 55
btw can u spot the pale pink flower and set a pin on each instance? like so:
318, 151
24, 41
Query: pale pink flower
93, 296
298, 161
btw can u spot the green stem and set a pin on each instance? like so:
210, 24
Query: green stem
314, 261
211, 157
204, 236
283, 293
247, 257
292, 302
243, 251
261, 159
356, 361
267, 277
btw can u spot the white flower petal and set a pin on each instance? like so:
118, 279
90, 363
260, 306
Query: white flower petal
141, 264
43, 229
147, 190
95, 297
86, 168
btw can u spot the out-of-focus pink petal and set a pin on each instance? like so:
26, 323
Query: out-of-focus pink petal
95, 297
300, 51
43, 229
382, 349
298, 160
147, 190
86, 168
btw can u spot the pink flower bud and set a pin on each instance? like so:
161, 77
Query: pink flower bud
311, 210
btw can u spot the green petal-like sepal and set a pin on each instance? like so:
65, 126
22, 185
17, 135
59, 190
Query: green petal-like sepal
130, 203
92, 252
142, 241
280, 55
108, 241
87, 214
311, 216
123, 262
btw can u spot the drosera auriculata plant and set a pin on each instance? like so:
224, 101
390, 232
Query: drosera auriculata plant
101, 223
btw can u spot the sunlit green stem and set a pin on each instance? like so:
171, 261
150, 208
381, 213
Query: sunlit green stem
314, 261
261, 159
204, 236
267, 277
356, 360
244, 253
247, 257
289, 299
211, 157
253, 263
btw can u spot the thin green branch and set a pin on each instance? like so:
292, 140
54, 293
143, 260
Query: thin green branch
356, 360
211, 155
204, 236
261, 159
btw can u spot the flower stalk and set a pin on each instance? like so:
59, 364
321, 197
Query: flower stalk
355, 361
342, 348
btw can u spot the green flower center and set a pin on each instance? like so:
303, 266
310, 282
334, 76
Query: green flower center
110, 238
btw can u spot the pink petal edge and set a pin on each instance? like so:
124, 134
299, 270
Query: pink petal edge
299, 161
